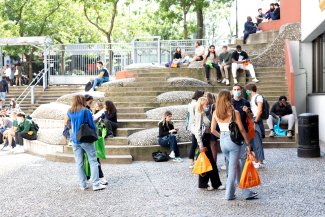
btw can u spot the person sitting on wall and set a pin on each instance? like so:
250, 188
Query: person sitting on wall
211, 61
225, 63
102, 77
199, 52
260, 17
177, 58
281, 110
276, 12
240, 60
249, 28
26, 129
269, 13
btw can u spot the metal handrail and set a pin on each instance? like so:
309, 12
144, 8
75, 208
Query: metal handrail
31, 86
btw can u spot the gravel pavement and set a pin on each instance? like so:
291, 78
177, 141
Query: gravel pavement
32, 186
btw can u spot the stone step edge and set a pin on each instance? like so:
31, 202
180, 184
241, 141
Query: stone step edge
110, 159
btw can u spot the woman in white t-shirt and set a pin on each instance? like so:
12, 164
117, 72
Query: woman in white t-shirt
199, 51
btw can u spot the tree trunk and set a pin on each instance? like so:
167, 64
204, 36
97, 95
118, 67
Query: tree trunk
185, 25
29, 58
200, 24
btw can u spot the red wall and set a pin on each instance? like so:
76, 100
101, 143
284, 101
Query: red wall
290, 13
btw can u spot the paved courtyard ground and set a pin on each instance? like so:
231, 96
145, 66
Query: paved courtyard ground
32, 186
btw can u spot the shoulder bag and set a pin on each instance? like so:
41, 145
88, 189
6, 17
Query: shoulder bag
85, 133
235, 134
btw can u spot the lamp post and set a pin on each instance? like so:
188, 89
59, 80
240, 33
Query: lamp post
236, 18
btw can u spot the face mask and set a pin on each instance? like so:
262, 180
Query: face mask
238, 52
237, 93
248, 93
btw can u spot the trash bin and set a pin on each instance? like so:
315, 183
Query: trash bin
308, 135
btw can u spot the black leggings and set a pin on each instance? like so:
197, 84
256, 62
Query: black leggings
100, 172
191, 154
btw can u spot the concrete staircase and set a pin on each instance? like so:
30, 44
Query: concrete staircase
41, 97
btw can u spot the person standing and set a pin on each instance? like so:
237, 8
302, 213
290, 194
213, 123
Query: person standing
18, 74
4, 89
167, 136
102, 77
211, 61
257, 109
202, 135
225, 63
223, 116
78, 114
240, 60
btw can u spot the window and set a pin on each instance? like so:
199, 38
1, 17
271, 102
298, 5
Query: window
319, 64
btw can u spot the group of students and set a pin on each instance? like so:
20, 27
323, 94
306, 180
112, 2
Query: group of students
13, 74
79, 113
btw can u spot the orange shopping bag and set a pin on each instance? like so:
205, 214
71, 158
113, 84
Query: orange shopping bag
249, 177
202, 165
251, 129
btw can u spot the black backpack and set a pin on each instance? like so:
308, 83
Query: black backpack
265, 109
235, 134
34, 125
160, 156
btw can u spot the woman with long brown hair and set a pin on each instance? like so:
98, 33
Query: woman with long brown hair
202, 135
223, 116
78, 114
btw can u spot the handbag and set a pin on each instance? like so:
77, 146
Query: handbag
85, 133
251, 129
235, 134
16, 72
278, 130
86, 165
202, 165
249, 177
160, 156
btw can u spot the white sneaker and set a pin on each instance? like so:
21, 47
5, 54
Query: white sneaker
272, 134
84, 188
227, 82
178, 159
99, 187
172, 154
258, 165
289, 134
103, 181
223, 167
224, 81
6, 148
235, 81
255, 80
191, 166
222, 187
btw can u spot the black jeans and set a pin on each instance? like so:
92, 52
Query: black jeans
212, 175
193, 148
111, 127
169, 142
20, 136
207, 71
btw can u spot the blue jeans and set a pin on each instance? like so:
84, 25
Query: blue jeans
169, 142
78, 150
257, 143
3, 97
99, 81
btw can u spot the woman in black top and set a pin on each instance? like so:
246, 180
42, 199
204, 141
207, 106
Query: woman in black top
167, 137
110, 118
178, 54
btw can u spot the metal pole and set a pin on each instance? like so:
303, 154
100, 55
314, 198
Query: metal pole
159, 50
32, 95
236, 18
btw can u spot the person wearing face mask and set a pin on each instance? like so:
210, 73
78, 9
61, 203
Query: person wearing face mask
240, 60
202, 135
257, 109
281, 110
211, 61
102, 77
25, 129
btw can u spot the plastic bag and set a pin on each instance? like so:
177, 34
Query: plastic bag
202, 165
251, 129
249, 177
86, 165
100, 148
278, 131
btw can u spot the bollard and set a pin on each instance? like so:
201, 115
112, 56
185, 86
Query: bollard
308, 135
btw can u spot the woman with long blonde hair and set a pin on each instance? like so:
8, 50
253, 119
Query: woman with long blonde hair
223, 116
202, 135
79, 114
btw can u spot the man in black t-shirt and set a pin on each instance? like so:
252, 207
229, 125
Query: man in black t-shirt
102, 77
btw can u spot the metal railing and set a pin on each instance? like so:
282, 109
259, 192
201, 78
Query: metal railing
31, 87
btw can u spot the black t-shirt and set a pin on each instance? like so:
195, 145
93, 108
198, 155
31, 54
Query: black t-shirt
164, 129
238, 105
105, 72
177, 56
235, 55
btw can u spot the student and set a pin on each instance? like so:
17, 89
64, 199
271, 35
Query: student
240, 60
209, 111
77, 114
178, 54
202, 135
225, 63
276, 12
199, 51
223, 115
257, 109
260, 17
102, 77
110, 118
249, 28
211, 61
167, 137
25, 129
18, 74
269, 13
191, 111
281, 110
4, 89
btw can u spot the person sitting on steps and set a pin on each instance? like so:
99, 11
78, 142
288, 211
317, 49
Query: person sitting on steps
240, 60
199, 52
281, 109
167, 137
110, 118
102, 77
249, 27
225, 63
25, 130
211, 61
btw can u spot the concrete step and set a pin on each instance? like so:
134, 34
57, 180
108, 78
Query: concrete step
132, 116
133, 109
125, 132
136, 104
117, 141
149, 84
156, 78
110, 159
137, 123
138, 98
143, 93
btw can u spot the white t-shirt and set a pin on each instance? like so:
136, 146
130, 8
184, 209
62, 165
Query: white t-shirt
199, 51
253, 104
